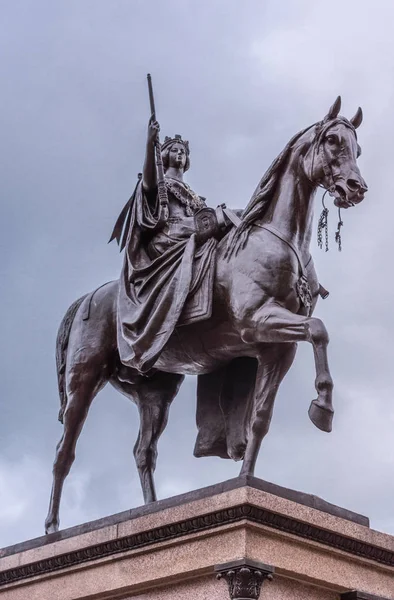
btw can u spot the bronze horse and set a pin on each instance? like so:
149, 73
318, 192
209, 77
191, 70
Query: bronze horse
265, 290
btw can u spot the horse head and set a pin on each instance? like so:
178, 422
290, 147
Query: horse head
331, 160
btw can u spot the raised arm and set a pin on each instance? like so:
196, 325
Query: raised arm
149, 175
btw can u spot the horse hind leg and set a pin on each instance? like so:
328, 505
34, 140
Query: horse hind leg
83, 387
153, 397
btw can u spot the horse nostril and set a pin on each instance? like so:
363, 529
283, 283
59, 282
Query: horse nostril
353, 185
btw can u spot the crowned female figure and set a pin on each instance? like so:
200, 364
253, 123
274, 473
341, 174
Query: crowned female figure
183, 203
165, 259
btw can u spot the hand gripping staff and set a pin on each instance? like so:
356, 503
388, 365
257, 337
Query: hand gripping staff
161, 186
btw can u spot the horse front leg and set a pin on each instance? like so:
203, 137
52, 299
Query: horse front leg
275, 324
271, 371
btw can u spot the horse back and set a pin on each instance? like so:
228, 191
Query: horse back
94, 325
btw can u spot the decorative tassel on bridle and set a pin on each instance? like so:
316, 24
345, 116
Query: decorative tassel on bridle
338, 237
323, 224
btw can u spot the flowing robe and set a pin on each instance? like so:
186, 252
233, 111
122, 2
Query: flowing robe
162, 268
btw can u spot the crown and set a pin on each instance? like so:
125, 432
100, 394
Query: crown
168, 141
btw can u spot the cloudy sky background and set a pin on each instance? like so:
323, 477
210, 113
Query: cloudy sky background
237, 80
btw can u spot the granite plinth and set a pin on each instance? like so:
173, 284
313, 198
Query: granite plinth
170, 550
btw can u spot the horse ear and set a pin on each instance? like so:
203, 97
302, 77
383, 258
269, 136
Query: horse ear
357, 119
335, 108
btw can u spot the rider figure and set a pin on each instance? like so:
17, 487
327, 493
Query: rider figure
183, 202
170, 247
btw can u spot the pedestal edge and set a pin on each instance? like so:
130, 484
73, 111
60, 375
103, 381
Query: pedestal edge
219, 518
231, 484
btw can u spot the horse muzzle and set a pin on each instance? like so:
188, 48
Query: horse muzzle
349, 193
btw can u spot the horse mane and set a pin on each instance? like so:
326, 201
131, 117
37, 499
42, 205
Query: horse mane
261, 198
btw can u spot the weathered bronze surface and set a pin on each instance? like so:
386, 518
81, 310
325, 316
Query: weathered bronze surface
205, 294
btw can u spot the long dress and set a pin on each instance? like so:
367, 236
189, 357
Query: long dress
162, 268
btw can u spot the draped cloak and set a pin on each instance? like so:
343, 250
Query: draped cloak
161, 269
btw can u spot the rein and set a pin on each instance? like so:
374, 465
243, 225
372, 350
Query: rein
303, 287
284, 239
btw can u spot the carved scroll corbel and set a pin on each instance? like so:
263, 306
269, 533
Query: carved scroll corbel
244, 578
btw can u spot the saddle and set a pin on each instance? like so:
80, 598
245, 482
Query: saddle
210, 225
210, 222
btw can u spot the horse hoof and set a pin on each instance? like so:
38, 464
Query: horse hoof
246, 471
321, 416
51, 527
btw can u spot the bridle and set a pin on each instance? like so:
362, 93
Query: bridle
319, 149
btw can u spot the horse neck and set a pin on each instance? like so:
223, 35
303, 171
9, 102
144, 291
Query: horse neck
291, 208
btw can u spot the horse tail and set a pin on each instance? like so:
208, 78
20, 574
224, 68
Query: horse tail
63, 335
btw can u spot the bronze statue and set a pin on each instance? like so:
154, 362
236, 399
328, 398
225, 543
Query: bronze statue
228, 305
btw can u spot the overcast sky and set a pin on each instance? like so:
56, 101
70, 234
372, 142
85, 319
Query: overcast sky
237, 80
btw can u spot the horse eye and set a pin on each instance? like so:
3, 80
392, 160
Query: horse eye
331, 139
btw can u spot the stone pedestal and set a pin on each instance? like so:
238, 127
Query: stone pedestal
241, 540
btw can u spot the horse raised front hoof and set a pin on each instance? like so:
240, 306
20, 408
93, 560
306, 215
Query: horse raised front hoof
321, 416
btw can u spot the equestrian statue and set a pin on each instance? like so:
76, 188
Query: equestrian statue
224, 295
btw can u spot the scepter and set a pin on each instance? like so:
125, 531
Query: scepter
161, 185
